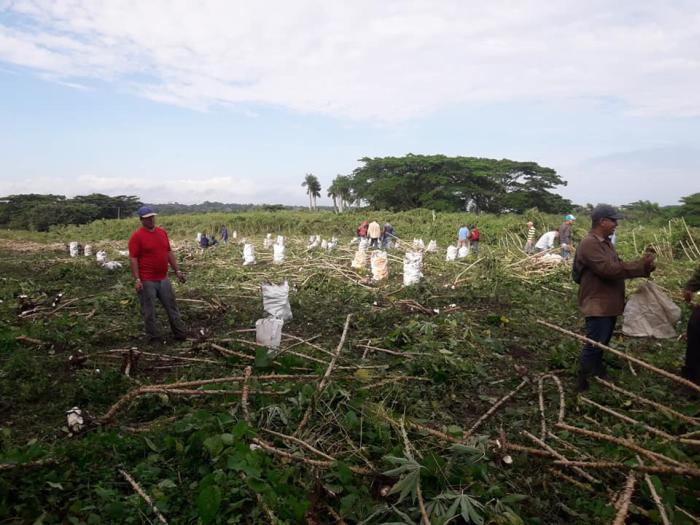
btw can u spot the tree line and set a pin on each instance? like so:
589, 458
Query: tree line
40, 212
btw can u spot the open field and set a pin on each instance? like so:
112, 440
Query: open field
441, 402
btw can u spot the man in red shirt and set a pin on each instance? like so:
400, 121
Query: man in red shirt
149, 256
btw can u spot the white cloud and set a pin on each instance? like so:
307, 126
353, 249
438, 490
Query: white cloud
368, 60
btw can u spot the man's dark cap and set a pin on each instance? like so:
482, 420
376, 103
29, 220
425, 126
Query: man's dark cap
605, 211
146, 211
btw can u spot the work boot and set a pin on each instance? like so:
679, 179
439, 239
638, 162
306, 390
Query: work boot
581, 383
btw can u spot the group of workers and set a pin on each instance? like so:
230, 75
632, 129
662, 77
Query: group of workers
548, 240
376, 234
597, 268
468, 236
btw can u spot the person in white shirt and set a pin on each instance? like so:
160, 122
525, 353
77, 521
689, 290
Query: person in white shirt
546, 242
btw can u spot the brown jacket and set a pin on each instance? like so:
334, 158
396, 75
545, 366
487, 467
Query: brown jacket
603, 274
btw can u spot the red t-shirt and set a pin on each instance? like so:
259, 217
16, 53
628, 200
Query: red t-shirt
151, 249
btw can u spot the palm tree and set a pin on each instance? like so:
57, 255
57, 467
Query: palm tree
313, 189
341, 192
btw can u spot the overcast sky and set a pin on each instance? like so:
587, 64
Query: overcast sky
234, 101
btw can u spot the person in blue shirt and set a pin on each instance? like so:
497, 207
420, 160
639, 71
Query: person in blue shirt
462, 236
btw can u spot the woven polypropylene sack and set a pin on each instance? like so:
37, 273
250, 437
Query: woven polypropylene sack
649, 312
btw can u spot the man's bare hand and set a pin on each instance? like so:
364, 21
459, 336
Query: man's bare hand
138, 286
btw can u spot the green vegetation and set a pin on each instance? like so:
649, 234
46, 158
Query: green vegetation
40, 212
417, 369
457, 183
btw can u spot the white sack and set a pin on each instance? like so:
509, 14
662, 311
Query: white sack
280, 240
101, 256
248, 254
268, 332
112, 265
276, 300
379, 264
463, 252
451, 253
324, 244
268, 242
418, 244
73, 248
412, 268
278, 253
360, 259
88, 250
364, 244
74, 420
649, 312
235, 234
432, 247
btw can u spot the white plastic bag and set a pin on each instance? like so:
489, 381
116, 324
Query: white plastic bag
379, 265
73, 248
278, 253
248, 254
649, 312
451, 253
101, 256
364, 244
462, 252
235, 234
88, 250
280, 240
276, 300
268, 332
360, 259
418, 244
432, 246
314, 242
332, 244
412, 268
112, 265
267, 242
74, 420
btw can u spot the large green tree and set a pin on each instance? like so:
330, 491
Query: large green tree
457, 183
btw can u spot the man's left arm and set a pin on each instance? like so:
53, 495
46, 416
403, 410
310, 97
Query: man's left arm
173, 264
692, 286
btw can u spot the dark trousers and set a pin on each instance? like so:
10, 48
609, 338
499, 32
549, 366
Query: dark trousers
691, 370
374, 242
599, 329
162, 291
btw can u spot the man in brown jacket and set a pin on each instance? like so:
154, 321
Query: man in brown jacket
601, 294
691, 369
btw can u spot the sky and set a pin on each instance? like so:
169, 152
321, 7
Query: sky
233, 101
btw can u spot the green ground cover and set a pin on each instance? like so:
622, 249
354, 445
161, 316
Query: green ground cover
384, 440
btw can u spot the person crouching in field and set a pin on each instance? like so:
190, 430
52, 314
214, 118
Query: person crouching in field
149, 256
601, 276
474, 237
546, 242
362, 230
